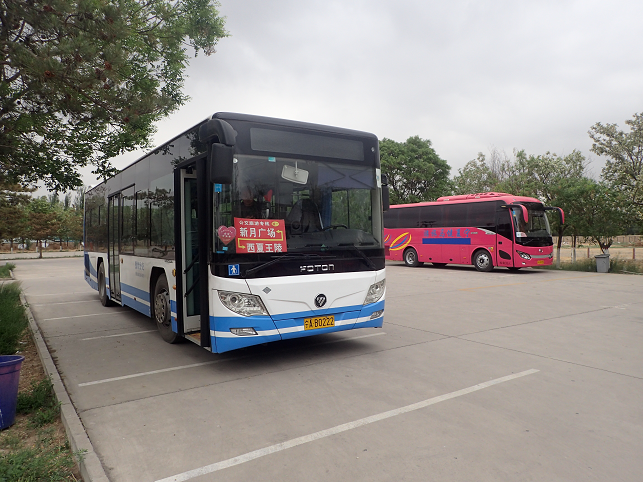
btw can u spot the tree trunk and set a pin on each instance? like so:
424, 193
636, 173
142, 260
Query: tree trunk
574, 238
40, 248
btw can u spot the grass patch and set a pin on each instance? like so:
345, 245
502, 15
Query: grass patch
13, 319
4, 270
46, 460
40, 402
35, 448
617, 265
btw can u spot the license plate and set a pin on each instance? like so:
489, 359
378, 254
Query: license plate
540, 262
319, 322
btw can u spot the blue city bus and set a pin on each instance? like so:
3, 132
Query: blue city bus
244, 230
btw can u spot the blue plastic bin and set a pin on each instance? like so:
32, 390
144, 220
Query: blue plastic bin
9, 378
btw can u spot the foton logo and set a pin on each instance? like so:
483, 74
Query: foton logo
316, 268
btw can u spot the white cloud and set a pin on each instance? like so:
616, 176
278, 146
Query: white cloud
468, 75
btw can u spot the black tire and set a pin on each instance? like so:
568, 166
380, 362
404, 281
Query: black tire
102, 286
439, 265
482, 261
411, 258
161, 311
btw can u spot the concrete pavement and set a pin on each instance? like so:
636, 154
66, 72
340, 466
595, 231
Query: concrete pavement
535, 375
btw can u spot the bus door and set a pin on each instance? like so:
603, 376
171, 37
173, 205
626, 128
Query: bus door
190, 251
504, 239
113, 239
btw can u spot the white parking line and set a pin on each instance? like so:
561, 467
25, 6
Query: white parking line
121, 334
62, 303
193, 365
81, 316
208, 469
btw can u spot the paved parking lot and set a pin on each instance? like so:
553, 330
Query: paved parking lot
534, 375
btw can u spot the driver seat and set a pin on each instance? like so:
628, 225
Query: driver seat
304, 217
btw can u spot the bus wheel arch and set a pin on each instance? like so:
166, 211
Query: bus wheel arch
161, 308
411, 258
482, 260
102, 283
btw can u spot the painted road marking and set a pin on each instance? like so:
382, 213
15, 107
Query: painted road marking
524, 283
121, 334
62, 303
193, 365
82, 316
208, 469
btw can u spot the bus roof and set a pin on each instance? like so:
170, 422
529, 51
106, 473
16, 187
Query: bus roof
469, 198
256, 119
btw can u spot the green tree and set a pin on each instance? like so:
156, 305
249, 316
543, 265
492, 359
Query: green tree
482, 174
415, 171
13, 221
82, 81
43, 221
624, 167
599, 214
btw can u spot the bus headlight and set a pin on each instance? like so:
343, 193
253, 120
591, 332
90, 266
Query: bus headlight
243, 304
523, 255
375, 292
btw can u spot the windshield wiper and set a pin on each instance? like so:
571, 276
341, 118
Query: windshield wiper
285, 257
368, 260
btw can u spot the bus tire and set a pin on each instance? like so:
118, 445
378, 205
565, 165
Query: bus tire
161, 311
102, 286
482, 260
411, 258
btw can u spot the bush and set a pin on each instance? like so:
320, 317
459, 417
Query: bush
4, 270
13, 319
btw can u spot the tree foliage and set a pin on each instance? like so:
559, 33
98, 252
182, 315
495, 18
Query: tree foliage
415, 171
624, 168
82, 81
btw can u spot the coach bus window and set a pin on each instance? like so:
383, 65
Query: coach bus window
409, 218
455, 215
430, 216
482, 214
391, 218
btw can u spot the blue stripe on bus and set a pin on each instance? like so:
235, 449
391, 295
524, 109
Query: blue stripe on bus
288, 320
137, 305
446, 240
138, 293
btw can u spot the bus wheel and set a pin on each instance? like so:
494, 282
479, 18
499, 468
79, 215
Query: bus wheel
102, 286
482, 261
161, 310
411, 258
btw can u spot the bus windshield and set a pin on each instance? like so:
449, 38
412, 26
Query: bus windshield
283, 204
534, 232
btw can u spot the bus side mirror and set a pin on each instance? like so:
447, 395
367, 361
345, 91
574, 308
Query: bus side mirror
386, 204
561, 213
220, 163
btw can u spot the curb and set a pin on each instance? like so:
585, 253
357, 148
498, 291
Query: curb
89, 464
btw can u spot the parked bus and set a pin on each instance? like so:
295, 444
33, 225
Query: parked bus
486, 229
244, 230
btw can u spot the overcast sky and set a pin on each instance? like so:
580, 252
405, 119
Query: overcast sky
468, 75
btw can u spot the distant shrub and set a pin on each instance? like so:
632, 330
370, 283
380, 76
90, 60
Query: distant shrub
13, 319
